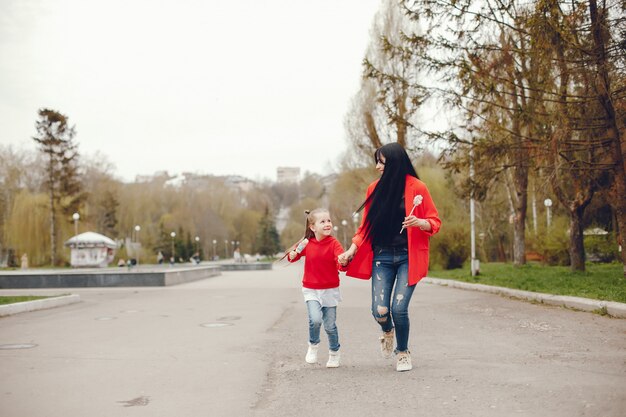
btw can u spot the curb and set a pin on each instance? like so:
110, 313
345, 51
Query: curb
612, 308
10, 309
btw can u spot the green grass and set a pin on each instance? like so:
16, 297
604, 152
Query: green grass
21, 298
599, 281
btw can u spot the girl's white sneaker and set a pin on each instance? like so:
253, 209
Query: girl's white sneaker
333, 359
311, 354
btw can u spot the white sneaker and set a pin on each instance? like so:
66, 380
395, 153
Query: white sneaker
333, 359
311, 354
386, 344
403, 361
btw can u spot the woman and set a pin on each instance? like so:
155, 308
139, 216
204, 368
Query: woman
391, 245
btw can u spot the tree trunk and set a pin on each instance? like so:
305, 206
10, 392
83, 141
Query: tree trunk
370, 125
519, 235
53, 240
401, 123
520, 181
576, 245
603, 86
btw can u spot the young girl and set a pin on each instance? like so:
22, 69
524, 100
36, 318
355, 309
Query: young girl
320, 283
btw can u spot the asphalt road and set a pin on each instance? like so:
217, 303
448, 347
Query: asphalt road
234, 345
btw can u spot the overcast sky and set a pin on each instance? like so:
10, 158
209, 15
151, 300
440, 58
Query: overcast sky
209, 86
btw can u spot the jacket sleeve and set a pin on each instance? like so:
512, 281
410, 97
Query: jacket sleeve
338, 250
298, 256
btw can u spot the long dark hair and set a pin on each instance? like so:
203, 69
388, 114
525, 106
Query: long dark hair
388, 193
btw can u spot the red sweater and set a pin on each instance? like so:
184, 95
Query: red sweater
361, 265
321, 269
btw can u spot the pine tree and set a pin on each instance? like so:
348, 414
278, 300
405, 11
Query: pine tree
268, 240
56, 140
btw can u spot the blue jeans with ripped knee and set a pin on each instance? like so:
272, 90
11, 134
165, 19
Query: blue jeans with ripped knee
390, 282
319, 315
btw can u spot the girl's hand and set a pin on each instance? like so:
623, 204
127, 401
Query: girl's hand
342, 261
292, 255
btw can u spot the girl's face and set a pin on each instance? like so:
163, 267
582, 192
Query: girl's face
380, 163
322, 227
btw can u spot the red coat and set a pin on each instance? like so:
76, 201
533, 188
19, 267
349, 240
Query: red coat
361, 265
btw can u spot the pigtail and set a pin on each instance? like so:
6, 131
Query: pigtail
308, 233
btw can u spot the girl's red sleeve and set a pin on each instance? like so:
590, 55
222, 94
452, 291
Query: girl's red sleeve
298, 256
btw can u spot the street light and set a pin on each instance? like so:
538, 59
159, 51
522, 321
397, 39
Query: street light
173, 257
548, 203
225, 248
344, 223
214, 249
197, 242
75, 216
137, 229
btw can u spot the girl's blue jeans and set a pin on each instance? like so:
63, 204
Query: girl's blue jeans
327, 316
391, 293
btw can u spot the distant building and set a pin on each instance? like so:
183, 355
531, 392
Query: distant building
287, 174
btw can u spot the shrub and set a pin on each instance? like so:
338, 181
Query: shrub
450, 248
601, 248
553, 244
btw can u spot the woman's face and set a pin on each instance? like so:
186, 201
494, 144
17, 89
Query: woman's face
380, 163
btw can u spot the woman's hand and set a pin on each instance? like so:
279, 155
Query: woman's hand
413, 221
292, 255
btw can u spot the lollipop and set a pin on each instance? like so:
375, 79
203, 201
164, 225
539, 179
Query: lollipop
417, 200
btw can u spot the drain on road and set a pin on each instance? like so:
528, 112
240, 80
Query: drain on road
216, 324
18, 346
228, 318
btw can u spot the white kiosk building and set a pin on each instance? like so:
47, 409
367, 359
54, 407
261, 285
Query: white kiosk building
91, 249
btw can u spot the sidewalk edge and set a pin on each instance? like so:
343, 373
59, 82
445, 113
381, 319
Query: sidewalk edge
611, 308
25, 306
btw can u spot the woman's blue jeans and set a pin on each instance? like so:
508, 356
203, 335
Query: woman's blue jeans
327, 316
391, 293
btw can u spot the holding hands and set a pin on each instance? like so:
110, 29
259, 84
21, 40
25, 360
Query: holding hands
347, 256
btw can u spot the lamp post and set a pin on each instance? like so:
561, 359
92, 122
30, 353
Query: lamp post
344, 223
173, 257
197, 239
548, 203
214, 249
137, 229
355, 221
75, 216
225, 248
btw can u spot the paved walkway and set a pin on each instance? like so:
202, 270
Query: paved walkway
234, 345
